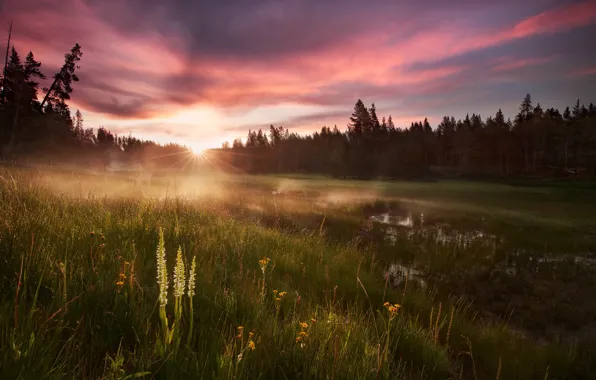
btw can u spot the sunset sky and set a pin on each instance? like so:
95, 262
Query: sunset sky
205, 71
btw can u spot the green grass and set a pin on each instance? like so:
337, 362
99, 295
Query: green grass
63, 315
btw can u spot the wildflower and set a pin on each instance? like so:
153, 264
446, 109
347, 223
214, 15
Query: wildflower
119, 283
278, 299
304, 325
250, 334
162, 274
303, 333
251, 345
313, 320
179, 275
192, 276
263, 263
275, 291
122, 276
92, 233
392, 309
298, 339
283, 294
240, 328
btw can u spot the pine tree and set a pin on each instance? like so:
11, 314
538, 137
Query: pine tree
426, 126
14, 80
390, 124
373, 118
79, 131
32, 72
60, 90
525, 110
538, 112
360, 119
500, 118
583, 112
577, 111
262, 139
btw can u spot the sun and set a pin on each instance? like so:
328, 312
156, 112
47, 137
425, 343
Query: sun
198, 148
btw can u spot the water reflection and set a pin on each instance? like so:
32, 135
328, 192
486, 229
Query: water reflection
482, 248
395, 220
412, 226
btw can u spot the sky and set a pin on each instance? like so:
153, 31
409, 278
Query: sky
205, 71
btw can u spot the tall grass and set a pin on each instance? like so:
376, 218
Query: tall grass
86, 281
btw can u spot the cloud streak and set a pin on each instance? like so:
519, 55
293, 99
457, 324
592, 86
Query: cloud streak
148, 60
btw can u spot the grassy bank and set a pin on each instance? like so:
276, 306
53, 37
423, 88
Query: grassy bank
79, 296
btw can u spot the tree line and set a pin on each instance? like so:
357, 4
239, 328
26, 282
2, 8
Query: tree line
36, 124
538, 142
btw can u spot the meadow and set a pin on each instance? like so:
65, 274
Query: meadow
271, 277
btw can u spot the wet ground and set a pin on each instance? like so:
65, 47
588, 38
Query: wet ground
541, 292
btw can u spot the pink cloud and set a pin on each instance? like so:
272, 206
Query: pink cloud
586, 71
511, 64
385, 66
134, 73
556, 20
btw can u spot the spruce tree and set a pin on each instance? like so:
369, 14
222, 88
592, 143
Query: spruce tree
373, 118
360, 119
32, 72
390, 124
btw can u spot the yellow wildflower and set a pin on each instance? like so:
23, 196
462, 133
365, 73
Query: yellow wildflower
304, 325
263, 263
251, 345
392, 309
283, 294
278, 299
251, 334
303, 333
119, 283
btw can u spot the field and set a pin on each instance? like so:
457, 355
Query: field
294, 277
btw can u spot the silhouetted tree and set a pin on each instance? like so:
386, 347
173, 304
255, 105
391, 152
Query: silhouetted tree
539, 141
